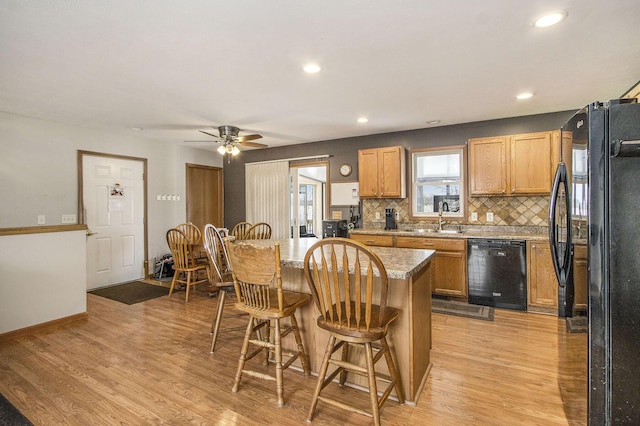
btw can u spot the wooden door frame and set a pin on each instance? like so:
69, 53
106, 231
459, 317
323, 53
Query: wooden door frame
81, 215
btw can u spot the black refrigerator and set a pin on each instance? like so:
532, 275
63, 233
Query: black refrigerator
600, 182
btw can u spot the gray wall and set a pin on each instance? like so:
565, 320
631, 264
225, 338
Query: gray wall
346, 150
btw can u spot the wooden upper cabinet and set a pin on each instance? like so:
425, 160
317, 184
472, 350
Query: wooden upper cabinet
381, 172
488, 168
531, 163
513, 165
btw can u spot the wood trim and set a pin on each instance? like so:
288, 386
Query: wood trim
26, 230
81, 218
42, 326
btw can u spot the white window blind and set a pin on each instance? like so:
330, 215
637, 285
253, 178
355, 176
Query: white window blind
268, 196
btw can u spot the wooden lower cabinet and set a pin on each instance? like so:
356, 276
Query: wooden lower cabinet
580, 277
449, 265
374, 240
541, 277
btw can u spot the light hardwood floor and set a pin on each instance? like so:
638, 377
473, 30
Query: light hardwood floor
149, 363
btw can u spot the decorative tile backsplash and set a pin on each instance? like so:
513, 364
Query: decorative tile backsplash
507, 211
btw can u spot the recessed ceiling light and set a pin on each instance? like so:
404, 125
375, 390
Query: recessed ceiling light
524, 95
137, 129
433, 122
550, 19
363, 120
311, 68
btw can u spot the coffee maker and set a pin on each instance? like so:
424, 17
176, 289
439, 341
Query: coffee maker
390, 219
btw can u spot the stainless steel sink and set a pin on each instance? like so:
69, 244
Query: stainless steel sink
435, 231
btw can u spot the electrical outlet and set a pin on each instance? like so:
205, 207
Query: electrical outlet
489, 216
41, 219
397, 216
474, 216
377, 215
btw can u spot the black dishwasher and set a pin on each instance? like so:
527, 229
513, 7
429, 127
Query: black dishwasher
497, 273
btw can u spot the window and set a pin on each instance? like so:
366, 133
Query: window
438, 182
579, 179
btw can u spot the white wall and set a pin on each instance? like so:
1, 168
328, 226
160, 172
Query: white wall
43, 278
38, 172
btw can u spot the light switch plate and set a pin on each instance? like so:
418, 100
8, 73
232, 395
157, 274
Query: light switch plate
474, 216
489, 216
41, 219
68, 218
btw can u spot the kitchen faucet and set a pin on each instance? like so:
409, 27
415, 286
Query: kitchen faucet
440, 220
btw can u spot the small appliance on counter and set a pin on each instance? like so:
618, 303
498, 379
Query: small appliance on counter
335, 228
390, 219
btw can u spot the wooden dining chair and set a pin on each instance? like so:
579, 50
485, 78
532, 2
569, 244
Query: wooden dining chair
259, 231
186, 272
220, 274
194, 236
348, 285
240, 230
257, 280
191, 231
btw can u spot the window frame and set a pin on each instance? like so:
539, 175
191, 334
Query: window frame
441, 150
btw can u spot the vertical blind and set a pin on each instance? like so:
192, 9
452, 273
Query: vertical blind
268, 196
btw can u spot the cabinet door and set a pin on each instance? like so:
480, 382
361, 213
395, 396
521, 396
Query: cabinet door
448, 265
541, 277
488, 166
580, 277
531, 163
450, 274
368, 172
391, 180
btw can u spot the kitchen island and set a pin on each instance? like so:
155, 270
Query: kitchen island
409, 291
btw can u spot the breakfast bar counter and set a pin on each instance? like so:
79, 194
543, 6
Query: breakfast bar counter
409, 291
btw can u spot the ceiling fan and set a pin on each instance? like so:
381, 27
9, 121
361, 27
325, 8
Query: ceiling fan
230, 139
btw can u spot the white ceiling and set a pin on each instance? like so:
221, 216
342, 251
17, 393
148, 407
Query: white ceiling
176, 67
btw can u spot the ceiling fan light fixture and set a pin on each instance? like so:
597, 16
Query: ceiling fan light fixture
221, 150
234, 150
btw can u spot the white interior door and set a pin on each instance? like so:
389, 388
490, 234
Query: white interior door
113, 198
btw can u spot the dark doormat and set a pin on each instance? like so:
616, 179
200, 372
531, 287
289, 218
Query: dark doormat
462, 309
578, 324
131, 293
10, 415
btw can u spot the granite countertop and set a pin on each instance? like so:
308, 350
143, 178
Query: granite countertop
401, 263
502, 233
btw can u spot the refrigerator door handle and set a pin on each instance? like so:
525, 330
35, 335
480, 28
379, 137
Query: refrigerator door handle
561, 257
622, 148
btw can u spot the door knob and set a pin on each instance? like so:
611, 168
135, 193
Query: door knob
90, 233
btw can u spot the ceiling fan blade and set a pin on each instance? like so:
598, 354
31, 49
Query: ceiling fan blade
248, 137
210, 134
252, 144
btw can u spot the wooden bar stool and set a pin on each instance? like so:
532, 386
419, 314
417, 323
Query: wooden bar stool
349, 287
254, 271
